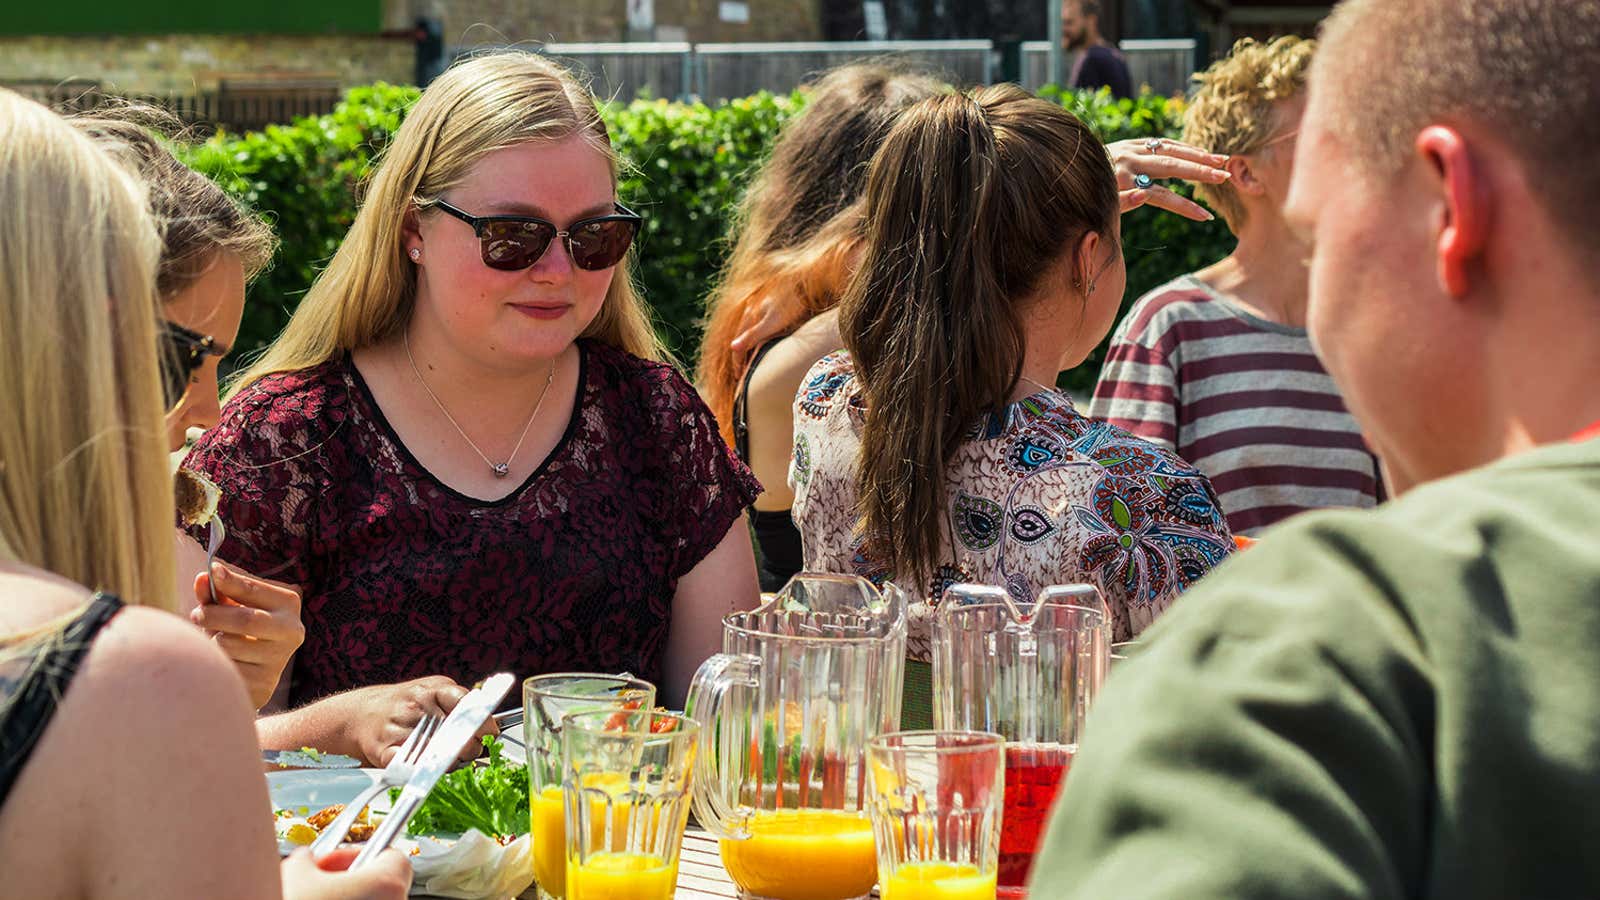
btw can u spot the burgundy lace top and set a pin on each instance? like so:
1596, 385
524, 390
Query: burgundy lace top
404, 577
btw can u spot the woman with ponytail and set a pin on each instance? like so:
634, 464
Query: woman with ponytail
934, 449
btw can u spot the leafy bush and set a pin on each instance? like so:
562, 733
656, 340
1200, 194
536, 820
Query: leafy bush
304, 178
686, 165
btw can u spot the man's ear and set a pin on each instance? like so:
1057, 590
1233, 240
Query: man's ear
1464, 231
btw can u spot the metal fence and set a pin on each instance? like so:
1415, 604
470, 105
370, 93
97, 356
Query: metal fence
667, 70
737, 70
625, 71
235, 105
721, 71
1164, 65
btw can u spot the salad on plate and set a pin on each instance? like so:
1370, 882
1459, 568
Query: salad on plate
469, 840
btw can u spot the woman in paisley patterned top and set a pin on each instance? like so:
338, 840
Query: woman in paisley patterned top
934, 450
465, 448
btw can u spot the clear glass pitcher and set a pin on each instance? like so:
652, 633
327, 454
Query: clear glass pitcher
803, 683
1028, 673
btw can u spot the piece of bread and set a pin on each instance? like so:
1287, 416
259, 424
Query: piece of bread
197, 497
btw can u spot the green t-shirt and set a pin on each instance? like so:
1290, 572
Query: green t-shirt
1403, 702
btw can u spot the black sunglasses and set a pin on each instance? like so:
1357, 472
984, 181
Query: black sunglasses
511, 243
182, 352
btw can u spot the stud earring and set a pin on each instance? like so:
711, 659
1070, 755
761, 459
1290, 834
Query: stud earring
415, 254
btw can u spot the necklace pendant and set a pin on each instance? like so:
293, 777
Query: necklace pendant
501, 470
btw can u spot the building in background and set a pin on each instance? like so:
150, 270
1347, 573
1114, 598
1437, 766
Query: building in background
245, 65
189, 45
199, 46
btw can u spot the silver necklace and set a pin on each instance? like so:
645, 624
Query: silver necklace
500, 470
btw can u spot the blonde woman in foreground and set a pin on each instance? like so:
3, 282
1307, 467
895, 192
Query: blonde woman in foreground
211, 247
113, 717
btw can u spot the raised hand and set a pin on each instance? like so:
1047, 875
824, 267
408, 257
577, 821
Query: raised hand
1139, 164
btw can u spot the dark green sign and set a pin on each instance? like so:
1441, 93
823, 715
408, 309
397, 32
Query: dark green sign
117, 17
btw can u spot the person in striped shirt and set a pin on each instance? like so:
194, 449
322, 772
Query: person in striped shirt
1217, 364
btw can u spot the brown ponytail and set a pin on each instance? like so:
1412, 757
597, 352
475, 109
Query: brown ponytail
972, 199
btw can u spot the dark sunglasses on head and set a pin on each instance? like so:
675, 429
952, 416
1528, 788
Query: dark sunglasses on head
182, 352
511, 243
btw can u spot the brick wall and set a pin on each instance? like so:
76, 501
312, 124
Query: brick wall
186, 63
770, 20
470, 23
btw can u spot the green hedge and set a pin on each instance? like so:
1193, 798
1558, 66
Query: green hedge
686, 166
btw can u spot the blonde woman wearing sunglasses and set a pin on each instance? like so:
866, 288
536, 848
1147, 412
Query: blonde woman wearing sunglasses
114, 714
464, 448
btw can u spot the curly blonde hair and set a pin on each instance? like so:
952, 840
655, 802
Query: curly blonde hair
1232, 108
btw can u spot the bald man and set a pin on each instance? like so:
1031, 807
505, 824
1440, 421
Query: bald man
1402, 702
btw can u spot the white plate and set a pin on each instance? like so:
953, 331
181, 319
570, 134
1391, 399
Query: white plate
512, 748
469, 867
305, 791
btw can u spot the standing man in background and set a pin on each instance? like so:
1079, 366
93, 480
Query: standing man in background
1099, 64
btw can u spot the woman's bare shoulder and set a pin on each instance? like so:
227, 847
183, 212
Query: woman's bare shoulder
156, 709
784, 367
35, 597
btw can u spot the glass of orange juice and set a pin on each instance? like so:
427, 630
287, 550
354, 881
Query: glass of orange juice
545, 700
936, 800
627, 779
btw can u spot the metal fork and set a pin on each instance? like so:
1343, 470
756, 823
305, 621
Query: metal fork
395, 774
213, 541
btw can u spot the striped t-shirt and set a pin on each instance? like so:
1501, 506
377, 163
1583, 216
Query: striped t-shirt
1242, 399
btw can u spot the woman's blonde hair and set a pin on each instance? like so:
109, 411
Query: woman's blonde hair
972, 202
801, 219
1232, 108
484, 104
85, 489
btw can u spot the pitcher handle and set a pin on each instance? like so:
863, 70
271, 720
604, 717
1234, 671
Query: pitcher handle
707, 704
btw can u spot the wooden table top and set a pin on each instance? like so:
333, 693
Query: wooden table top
700, 872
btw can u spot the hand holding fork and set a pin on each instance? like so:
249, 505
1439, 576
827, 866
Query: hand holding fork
397, 773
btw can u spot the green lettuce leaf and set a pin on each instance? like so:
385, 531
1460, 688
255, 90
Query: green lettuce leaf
492, 798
